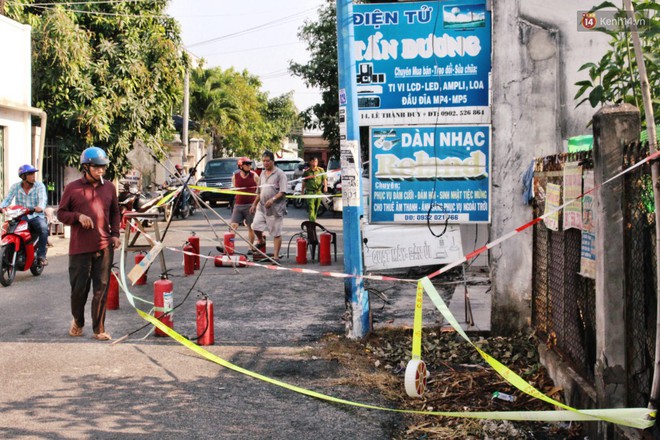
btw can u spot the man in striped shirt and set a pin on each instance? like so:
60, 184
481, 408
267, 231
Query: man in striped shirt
31, 194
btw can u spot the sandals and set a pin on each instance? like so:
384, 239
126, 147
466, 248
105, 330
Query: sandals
102, 336
74, 330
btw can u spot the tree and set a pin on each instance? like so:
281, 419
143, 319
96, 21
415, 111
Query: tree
93, 64
321, 71
236, 115
615, 78
282, 116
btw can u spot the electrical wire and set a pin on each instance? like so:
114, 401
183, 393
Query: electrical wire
106, 14
278, 22
252, 49
91, 2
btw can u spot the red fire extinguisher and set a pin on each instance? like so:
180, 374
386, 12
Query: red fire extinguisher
230, 260
194, 242
205, 333
164, 300
188, 259
229, 242
324, 249
301, 254
143, 278
112, 300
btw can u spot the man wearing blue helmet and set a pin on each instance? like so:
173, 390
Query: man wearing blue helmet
89, 206
31, 194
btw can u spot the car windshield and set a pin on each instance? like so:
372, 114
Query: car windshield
287, 166
220, 168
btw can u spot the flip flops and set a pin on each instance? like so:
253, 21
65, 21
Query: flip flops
74, 330
102, 336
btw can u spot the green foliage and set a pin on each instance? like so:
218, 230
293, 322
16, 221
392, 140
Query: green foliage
107, 74
615, 77
235, 115
321, 71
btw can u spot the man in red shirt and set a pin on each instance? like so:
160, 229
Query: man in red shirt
246, 181
89, 206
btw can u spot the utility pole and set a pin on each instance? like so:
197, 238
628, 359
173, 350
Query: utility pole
358, 324
186, 115
655, 178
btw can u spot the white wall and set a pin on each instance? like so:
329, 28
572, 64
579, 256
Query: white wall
15, 89
15, 81
536, 53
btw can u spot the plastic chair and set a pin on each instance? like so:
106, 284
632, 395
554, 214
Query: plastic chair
309, 229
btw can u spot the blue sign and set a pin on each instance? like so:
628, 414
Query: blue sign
441, 171
423, 62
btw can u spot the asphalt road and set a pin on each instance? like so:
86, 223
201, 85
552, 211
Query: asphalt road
58, 387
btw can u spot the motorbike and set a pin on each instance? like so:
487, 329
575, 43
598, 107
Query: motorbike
19, 250
183, 204
133, 200
298, 202
331, 201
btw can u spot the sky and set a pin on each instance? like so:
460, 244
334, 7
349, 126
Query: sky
207, 30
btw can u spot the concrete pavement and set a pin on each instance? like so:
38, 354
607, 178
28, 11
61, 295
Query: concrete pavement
59, 387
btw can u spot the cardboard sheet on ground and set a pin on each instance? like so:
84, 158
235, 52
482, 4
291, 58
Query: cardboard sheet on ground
143, 265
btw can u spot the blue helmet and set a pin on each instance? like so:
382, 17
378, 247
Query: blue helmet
94, 156
26, 169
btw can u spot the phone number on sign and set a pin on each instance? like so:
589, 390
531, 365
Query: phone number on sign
432, 217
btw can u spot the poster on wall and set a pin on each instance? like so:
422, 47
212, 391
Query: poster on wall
552, 204
588, 254
440, 172
423, 62
572, 190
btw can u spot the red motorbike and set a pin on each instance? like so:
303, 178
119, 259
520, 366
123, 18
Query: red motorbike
18, 250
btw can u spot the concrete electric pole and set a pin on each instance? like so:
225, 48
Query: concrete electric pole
357, 299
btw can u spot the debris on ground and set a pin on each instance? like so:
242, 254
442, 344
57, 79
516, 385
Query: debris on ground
460, 380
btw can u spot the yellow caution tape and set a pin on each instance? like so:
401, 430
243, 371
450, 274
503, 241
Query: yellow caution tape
520, 383
243, 193
633, 417
417, 324
169, 197
219, 190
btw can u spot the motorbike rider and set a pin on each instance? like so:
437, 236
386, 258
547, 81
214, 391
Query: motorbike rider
31, 194
178, 179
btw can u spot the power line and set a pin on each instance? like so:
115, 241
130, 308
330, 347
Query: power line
277, 22
249, 49
109, 14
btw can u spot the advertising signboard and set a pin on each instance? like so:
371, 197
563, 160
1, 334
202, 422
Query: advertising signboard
423, 62
441, 171
392, 246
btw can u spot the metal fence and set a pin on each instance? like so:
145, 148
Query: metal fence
563, 301
53, 173
640, 274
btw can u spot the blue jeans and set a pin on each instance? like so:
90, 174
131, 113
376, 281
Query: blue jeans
39, 225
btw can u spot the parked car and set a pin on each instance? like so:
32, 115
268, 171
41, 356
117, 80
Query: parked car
218, 173
289, 166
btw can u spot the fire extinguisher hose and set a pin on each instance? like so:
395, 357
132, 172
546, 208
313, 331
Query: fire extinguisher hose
126, 336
